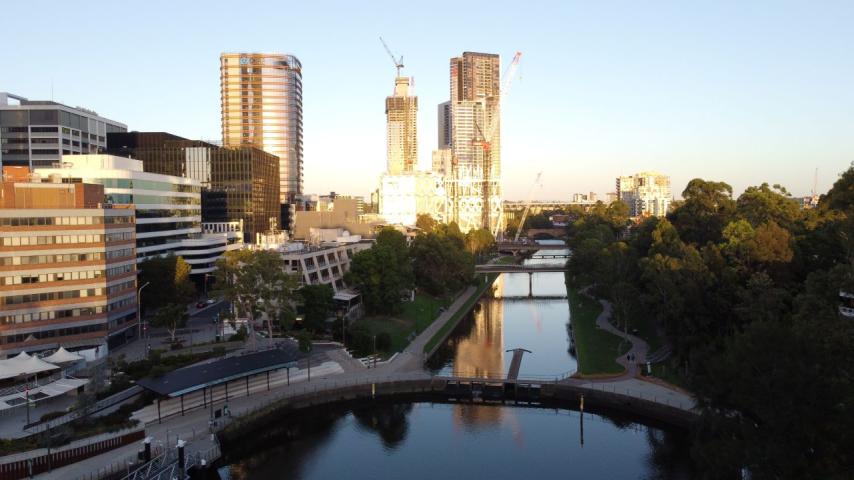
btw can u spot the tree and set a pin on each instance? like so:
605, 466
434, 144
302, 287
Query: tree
440, 265
425, 223
185, 289
318, 304
480, 241
383, 273
764, 204
168, 279
171, 316
706, 208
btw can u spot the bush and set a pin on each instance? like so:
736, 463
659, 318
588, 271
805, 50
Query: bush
383, 341
240, 335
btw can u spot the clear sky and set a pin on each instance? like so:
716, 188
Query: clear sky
743, 92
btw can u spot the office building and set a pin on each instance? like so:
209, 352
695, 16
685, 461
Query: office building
444, 120
168, 207
36, 133
401, 110
261, 96
441, 164
67, 266
239, 184
646, 193
474, 184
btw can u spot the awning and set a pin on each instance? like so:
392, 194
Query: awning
62, 356
24, 364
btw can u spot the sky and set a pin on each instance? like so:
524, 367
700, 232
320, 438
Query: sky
742, 92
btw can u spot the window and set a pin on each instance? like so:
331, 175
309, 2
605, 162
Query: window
43, 129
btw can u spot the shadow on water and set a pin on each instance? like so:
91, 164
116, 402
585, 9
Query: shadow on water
391, 439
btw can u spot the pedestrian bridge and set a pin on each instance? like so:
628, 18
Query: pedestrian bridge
513, 268
526, 247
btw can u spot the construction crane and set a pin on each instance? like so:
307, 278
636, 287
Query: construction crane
398, 63
527, 207
486, 139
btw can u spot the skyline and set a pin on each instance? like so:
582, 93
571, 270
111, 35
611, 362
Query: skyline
723, 92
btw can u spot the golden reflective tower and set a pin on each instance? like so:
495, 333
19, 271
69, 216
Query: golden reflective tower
261, 96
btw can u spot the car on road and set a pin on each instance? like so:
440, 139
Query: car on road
201, 305
210, 301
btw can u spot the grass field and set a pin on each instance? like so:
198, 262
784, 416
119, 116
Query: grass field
596, 349
420, 313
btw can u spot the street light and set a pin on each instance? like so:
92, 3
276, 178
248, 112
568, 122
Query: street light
206, 284
138, 306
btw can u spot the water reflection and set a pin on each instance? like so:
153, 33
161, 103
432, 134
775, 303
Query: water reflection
425, 441
520, 311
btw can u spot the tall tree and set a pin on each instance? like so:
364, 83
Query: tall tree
318, 303
425, 223
383, 273
706, 208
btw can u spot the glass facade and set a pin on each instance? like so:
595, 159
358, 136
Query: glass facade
237, 183
262, 107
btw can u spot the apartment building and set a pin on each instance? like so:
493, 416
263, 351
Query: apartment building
646, 193
67, 266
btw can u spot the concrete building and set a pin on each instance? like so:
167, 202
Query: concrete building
404, 197
168, 208
238, 183
341, 213
36, 133
442, 158
67, 266
401, 111
474, 184
261, 97
646, 193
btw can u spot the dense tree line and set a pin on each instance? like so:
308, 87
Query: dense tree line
745, 292
440, 260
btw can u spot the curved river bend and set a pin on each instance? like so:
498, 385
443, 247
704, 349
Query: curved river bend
428, 441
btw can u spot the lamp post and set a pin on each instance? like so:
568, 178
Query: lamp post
138, 306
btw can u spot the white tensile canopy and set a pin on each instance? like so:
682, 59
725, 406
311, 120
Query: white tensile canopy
23, 364
62, 356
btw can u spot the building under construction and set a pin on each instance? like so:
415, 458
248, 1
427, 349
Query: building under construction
473, 184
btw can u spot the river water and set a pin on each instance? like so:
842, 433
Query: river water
428, 441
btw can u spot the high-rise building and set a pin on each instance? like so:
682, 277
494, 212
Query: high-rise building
442, 161
36, 133
67, 266
646, 193
261, 97
474, 184
401, 110
444, 118
238, 183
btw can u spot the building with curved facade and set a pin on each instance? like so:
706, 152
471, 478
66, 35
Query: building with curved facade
261, 95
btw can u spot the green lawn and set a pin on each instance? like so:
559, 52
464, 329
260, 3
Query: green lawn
596, 349
646, 326
668, 372
420, 313
452, 322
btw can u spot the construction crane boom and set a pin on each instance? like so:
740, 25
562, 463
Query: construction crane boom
527, 207
398, 63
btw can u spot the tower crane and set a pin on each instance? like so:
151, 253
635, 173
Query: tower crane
398, 63
486, 139
527, 207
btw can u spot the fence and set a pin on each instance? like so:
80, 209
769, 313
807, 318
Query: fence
38, 427
25, 464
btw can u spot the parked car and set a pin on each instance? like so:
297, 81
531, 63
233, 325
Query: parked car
200, 304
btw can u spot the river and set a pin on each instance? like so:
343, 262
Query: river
427, 440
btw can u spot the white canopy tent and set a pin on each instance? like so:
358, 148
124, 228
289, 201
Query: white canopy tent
62, 356
24, 364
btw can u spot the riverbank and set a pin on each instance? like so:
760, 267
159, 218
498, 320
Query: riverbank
456, 315
596, 349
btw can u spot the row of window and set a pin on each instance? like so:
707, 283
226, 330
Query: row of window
51, 277
119, 236
51, 240
145, 185
38, 221
124, 198
164, 213
51, 315
163, 227
113, 289
59, 332
48, 296
50, 259
120, 270
122, 252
